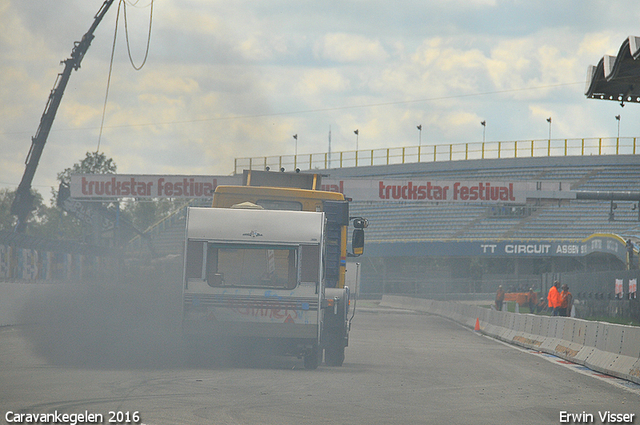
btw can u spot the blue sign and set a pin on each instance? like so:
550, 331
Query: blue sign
601, 243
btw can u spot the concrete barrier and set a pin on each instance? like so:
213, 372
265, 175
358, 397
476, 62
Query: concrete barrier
604, 347
530, 337
510, 323
551, 340
601, 359
616, 362
592, 329
575, 338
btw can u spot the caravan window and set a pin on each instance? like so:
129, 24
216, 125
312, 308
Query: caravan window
310, 263
243, 265
193, 265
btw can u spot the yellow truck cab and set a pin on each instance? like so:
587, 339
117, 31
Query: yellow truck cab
269, 262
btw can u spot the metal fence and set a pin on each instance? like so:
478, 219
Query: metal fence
597, 285
447, 288
26, 258
443, 152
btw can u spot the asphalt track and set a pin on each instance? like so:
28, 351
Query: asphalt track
401, 368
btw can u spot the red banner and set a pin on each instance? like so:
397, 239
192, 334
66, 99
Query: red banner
145, 186
496, 192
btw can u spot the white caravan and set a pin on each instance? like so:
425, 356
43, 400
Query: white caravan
256, 274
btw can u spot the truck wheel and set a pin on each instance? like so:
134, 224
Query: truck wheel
312, 359
334, 354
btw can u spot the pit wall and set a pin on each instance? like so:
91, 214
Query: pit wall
604, 347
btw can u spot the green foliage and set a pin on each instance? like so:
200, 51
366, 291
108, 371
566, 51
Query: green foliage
93, 163
7, 220
144, 214
45, 221
56, 224
52, 222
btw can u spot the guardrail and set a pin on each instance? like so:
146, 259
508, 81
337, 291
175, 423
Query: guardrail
157, 228
136, 243
444, 152
604, 347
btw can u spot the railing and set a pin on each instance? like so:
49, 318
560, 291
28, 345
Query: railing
136, 243
439, 153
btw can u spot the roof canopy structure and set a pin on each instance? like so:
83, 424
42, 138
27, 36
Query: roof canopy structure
617, 77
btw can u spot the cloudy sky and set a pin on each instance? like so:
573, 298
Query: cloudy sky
229, 79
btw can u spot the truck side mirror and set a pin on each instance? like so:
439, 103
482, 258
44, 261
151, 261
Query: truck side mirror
357, 242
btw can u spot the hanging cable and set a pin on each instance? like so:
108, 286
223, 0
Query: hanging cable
113, 50
106, 95
126, 33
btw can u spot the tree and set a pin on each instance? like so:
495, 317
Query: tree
50, 221
40, 220
141, 213
144, 214
7, 220
53, 223
66, 225
93, 163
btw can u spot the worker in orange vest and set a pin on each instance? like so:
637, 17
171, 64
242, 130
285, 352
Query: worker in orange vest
499, 298
554, 298
566, 301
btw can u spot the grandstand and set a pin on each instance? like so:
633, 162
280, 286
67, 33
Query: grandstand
441, 248
418, 246
435, 247
575, 220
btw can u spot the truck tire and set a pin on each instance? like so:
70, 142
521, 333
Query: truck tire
312, 359
334, 353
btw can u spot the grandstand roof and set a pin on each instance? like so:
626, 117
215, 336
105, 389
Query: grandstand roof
508, 166
617, 77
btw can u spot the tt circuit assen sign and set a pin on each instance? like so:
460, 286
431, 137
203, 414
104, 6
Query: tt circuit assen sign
100, 186
600, 243
515, 192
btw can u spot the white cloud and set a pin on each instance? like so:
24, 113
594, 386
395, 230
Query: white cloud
227, 80
317, 81
343, 47
259, 46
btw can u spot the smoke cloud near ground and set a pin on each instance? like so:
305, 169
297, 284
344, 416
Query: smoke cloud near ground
131, 319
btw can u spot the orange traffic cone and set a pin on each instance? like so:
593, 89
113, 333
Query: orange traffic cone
477, 328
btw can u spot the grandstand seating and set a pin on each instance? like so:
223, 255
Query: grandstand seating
571, 221
422, 221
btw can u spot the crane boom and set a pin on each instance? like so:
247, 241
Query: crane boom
23, 202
